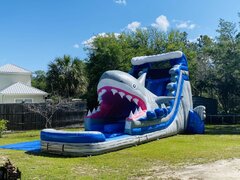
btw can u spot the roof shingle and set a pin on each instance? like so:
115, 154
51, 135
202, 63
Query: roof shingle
22, 89
10, 68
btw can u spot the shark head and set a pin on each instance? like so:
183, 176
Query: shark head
122, 96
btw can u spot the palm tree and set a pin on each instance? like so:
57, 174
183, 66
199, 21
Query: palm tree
66, 77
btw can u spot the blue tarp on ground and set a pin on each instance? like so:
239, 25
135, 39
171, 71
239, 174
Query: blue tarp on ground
33, 146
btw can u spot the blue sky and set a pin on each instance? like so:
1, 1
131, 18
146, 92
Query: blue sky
34, 32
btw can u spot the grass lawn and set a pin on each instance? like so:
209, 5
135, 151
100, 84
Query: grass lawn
219, 142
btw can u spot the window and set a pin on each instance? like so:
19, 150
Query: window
27, 100
18, 100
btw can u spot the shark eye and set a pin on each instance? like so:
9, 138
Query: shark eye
134, 86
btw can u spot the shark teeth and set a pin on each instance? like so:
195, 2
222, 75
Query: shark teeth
134, 114
129, 97
100, 94
89, 113
98, 109
135, 100
130, 115
114, 91
94, 111
136, 111
100, 101
103, 91
121, 94
99, 98
137, 114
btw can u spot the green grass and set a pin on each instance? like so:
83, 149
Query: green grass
131, 162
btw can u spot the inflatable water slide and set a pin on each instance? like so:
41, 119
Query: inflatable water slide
152, 101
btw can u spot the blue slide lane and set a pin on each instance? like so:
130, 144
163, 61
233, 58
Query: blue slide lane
72, 137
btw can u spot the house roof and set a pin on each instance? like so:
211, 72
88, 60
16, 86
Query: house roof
11, 68
22, 89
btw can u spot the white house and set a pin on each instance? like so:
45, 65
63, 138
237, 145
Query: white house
15, 86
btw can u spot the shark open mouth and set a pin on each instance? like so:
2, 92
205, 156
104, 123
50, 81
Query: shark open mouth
117, 104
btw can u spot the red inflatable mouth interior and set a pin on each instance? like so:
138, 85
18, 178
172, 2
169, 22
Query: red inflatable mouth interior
115, 103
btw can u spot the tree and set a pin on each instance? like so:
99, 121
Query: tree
205, 73
3, 126
39, 80
66, 77
226, 55
105, 53
110, 52
47, 110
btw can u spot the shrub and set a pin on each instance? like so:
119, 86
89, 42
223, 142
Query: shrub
3, 126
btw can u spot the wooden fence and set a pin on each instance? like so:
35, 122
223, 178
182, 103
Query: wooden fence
21, 118
223, 119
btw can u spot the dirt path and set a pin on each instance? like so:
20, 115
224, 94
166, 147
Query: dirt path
222, 169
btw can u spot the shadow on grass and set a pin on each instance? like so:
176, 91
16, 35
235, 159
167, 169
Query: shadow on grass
43, 154
222, 129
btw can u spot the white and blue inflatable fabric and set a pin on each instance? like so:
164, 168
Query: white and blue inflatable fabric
152, 101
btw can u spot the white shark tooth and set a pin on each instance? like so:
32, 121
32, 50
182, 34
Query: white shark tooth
135, 100
130, 115
99, 98
100, 101
121, 94
89, 113
114, 91
136, 111
129, 97
94, 111
98, 109
103, 91
140, 109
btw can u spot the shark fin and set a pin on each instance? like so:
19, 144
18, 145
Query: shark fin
142, 79
164, 99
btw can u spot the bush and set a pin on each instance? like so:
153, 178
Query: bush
3, 126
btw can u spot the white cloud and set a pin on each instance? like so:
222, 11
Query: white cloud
133, 26
89, 43
182, 25
194, 40
76, 46
161, 23
121, 2
192, 26
185, 25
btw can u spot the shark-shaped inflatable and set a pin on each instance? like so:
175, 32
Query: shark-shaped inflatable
152, 101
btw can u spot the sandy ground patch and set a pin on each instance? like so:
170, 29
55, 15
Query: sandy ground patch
222, 169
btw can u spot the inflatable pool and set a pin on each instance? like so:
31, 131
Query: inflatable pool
152, 101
